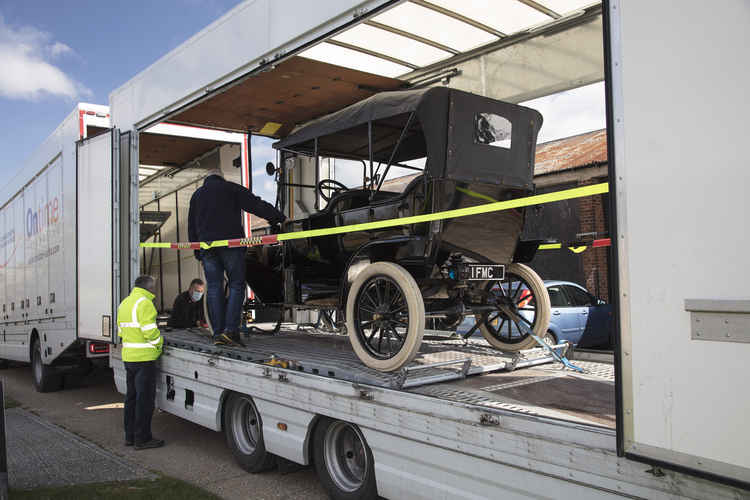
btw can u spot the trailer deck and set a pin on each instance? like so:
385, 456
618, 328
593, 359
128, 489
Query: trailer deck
469, 372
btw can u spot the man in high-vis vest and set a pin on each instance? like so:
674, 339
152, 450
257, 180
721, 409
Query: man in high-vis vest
141, 347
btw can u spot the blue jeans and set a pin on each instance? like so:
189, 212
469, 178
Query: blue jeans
225, 317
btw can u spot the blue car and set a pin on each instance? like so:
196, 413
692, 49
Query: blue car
576, 317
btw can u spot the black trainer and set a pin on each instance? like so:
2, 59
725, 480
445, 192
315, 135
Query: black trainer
235, 336
154, 443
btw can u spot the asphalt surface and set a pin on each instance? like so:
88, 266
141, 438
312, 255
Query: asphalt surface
43, 454
91, 408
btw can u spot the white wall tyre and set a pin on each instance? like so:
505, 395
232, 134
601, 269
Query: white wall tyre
243, 430
385, 316
343, 461
46, 378
524, 292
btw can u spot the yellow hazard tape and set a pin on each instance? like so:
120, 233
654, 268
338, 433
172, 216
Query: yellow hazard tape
496, 206
550, 246
452, 214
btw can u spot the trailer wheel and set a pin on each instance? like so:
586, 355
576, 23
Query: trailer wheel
523, 293
343, 461
385, 316
244, 433
46, 379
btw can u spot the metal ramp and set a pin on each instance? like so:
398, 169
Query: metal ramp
331, 355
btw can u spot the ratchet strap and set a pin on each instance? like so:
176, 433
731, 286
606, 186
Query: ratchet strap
495, 206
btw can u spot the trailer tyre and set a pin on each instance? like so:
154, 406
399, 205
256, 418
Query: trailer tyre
244, 433
529, 299
46, 379
344, 461
385, 316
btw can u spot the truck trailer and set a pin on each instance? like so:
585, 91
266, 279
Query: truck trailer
41, 258
658, 419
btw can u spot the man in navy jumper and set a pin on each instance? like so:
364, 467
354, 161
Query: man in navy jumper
216, 214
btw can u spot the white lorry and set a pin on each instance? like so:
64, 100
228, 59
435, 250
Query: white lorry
665, 421
39, 257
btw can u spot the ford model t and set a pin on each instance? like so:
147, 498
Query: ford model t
386, 281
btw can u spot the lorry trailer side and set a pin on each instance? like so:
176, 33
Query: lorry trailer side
38, 256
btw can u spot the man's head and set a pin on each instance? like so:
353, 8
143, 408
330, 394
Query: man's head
196, 289
146, 282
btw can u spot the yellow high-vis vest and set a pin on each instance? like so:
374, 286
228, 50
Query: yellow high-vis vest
136, 325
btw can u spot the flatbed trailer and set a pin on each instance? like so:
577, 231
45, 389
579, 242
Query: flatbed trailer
502, 432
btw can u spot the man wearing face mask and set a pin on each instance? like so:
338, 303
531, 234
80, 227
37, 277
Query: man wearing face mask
187, 311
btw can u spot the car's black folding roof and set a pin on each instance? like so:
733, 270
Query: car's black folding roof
443, 131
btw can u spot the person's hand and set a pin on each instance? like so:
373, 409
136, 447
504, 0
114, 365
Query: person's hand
275, 228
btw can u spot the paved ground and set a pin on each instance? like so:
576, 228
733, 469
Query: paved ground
89, 407
43, 454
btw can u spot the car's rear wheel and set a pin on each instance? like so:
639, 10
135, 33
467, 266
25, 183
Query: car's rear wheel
385, 316
522, 303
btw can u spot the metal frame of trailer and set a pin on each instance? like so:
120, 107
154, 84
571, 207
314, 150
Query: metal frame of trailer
427, 441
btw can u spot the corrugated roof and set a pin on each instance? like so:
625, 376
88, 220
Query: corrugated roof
571, 152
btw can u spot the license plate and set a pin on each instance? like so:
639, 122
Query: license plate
486, 272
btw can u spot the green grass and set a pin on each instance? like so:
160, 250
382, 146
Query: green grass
11, 403
163, 488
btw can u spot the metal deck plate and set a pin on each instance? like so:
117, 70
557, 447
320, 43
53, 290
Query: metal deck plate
331, 355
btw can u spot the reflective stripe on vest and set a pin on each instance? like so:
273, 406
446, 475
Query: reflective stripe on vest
134, 316
151, 344
134, 345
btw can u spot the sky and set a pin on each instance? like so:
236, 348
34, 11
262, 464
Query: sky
54, 54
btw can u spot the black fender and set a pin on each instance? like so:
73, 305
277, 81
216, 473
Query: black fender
377, 251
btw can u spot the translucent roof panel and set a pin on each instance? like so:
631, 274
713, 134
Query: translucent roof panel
391, 44
348, 58
563, 7
506, 16
432, 25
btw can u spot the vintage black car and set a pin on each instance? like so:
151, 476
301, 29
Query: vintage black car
386, 281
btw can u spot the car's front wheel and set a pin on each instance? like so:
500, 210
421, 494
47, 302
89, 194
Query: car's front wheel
385, 316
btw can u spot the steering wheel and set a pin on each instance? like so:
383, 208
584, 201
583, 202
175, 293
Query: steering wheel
331, 184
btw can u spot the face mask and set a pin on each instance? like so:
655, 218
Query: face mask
196, 296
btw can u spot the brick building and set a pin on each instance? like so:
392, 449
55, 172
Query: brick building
563, 164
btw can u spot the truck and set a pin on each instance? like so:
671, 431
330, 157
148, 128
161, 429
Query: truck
656, 419
40, 253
